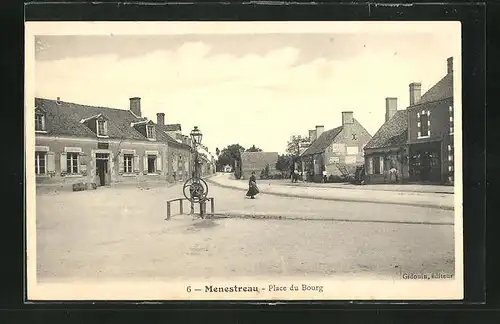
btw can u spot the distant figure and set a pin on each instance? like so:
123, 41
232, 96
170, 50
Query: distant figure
175, 176
252, 186
324, 176
295, 175
393, 172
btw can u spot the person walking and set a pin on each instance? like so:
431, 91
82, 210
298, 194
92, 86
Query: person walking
252, 186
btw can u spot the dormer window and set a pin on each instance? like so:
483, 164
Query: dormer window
423, 123
150, 131
102, 128
39, 122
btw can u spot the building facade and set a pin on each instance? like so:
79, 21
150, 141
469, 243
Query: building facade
430, 132
418, 141
336, 151
257, 162
388, 148
78, 143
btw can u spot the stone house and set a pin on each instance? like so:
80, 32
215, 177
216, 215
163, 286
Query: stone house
180, 153
257, 162
80, 143
335, 149
417, 141
388, 149
430, 131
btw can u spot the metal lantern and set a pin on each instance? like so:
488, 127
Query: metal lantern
196, 135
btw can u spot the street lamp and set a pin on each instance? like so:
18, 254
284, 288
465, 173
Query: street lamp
196, 136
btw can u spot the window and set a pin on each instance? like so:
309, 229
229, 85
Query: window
128, 163
39, 122
40, 163
151, 163
72, 163
451, 119
102, 129
424, 125
354, 137
376, 165
150, 131
352, 150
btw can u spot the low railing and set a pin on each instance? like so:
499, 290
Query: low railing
202, 208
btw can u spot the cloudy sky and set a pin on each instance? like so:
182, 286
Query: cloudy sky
244, 88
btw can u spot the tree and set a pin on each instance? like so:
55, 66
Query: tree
254, 149
284, 162
293, 146
264, 174
217, 167
229, 155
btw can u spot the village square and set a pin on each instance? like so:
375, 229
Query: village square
340, 201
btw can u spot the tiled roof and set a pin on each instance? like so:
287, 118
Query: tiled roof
391, 133
443, 89
167, 138
258, 160
321, 143
172, 127
63, 118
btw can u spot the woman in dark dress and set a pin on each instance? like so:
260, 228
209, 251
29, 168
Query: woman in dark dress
252, 186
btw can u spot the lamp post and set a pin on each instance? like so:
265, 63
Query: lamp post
196, 189
196, 137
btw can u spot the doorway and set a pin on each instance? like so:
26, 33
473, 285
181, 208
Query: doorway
102, 168
425, 163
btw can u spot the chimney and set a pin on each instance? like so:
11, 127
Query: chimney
319, 130
160, 118
312, 135
135, 106
391, 106
347, 117
450, 64
415, 92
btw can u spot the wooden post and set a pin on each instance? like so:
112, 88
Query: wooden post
192, 208
181, 207
168, 210
202, 209
212, 205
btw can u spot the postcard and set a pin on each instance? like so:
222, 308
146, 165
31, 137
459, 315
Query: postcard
243, 161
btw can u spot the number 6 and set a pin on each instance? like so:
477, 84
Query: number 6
188, 289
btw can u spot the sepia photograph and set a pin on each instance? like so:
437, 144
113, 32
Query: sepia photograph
243, 161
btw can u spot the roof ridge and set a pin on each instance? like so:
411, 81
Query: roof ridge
79, 104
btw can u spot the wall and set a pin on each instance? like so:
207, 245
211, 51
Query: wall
247, 172
439, 131
87, 169
181, 163
439, 118
342, 150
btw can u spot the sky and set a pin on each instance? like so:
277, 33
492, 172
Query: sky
251, 89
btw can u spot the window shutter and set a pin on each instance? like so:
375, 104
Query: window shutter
51, 162
64, 167
145, 164
92, 163
381, 165
159, 165
370, 165
120, 164
136, 163
82, 160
